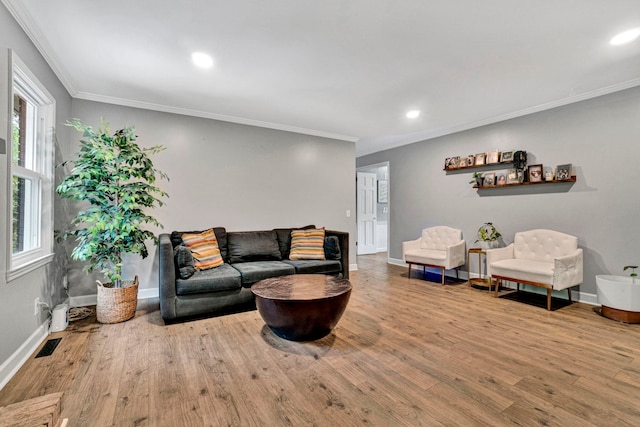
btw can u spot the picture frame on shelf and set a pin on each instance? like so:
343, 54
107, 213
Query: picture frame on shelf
462, 162
506, 156
512, 176
479, 159
563, 172
489, 179
501, 179
534, 173
493, 157
447, 163
455, 162
471, 159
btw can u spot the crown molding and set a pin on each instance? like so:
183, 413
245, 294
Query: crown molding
207, 115
419, 137
30, 28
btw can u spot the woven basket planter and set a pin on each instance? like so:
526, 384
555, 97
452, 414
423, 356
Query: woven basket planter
117, 304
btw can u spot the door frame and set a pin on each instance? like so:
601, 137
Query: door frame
368, 168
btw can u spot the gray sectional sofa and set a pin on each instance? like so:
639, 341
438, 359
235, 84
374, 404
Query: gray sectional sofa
249, 256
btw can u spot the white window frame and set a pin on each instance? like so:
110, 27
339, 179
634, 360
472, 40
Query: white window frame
40, 172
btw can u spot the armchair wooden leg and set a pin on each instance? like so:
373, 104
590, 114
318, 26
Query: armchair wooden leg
457, 273
549, 299
498, 281
569, 292
443, 275
409, 272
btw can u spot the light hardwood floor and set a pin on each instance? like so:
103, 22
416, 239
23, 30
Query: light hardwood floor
406, 352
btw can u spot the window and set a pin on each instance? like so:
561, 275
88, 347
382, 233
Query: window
31, 172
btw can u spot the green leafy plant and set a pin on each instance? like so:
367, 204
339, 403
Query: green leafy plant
475, 177
488, 233
117, 178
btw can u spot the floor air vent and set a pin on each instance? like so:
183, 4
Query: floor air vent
48, 348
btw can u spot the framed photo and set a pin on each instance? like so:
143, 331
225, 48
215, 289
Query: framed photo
489, 179
512, 176
447, 163
563, 172
471, 159
455, 162
506, 156
383, 191
479, 159
493, 157
535, 173
462, 162
502, 179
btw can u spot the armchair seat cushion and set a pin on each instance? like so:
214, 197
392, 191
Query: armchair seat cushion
425, 256
524, 269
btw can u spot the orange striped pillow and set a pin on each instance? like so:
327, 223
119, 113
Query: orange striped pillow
307, 244
204, 248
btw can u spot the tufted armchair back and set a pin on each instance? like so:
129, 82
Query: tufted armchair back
440, 237
543, 245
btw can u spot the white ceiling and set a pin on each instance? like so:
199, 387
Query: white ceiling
346, 69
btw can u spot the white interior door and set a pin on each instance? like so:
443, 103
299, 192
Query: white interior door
366, 212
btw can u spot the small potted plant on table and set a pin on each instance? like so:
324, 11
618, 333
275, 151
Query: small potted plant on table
488, 236
117, 178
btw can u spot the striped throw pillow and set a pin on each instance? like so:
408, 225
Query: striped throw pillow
204, 248
307, 244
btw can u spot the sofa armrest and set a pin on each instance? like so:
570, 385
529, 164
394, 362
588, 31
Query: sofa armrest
409, 246
567, 270
167, 277
343, 241
456, 255
498, 254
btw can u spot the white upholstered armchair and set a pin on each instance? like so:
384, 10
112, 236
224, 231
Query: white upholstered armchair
440, 247
544, 258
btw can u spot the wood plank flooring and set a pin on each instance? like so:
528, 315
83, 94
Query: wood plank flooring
405, 353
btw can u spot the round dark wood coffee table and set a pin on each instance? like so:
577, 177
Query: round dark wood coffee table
302, 307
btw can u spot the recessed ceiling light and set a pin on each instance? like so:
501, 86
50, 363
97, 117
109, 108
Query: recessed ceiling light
413, 114
202, 60
625, 37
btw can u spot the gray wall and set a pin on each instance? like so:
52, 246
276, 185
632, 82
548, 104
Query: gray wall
231, 175
600, 137
17, 297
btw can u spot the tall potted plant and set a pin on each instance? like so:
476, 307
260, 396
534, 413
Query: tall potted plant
117, 178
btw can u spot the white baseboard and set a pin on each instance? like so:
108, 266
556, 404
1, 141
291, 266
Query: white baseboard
148, 293
583, 297
11, 366
353, 267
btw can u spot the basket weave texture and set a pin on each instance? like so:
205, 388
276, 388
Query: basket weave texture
117, 304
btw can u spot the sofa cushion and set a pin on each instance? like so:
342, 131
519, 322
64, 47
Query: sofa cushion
247, 246
284, 239
332, 248
312, 266
223, 278
307, 244
204, 248
184, 261
255, 271
221, 236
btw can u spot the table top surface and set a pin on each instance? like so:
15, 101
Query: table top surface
298, 287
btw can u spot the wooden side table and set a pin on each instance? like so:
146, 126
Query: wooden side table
480, 280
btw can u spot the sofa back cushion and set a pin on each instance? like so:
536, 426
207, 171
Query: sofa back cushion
332, 248
543, 245
246, 246
221, 236
440, 237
